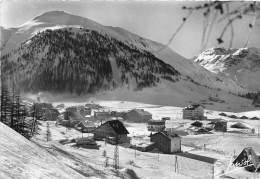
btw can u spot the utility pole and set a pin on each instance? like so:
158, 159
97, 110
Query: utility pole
48, 133
116, 156
135, 150
82, 132
176, 164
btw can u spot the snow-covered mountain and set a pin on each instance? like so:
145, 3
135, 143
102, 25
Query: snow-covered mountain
240, 65
61, 52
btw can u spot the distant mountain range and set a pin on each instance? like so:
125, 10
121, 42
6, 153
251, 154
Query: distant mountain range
241, 65
60, 52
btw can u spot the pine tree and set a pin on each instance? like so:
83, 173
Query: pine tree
5, 104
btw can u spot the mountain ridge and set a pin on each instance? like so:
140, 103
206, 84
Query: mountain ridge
55, 21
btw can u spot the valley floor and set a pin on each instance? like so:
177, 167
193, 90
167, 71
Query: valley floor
153, 165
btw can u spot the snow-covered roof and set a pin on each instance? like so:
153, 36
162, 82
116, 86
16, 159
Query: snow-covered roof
141, 111
87, 123
193, 106
117, 126
169, 136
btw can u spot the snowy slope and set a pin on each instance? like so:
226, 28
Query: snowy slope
5, 36
59, 19
240, 65
23, 159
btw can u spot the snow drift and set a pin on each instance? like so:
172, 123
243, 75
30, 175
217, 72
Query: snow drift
23, 159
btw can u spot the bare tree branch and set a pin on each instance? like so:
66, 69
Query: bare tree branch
247, 8
176, 32
205, 25
251, 26
211, 24
231, 28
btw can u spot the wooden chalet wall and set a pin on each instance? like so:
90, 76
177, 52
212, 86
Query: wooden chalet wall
104, 130
162, 142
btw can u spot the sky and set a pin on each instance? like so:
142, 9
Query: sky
155, 20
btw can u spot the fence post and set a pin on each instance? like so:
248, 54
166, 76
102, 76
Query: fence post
213, 172
175, 165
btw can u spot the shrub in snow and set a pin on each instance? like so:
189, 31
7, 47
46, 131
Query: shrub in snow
129, 173
104, 153
197, 124
131, 162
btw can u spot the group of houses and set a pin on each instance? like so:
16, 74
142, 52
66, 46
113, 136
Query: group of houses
114, 131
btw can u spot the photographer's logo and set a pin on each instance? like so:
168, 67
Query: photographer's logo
247, 158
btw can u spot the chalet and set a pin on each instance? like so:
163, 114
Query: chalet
198, 130
138, 115
60, 106
101, 115
254, 118
118, 114
111, 129
144, 146
222, 114
85, 126
72, 114
85, 111
156, 125
243, 117
166, 143
193, 111
71, 109
233, 116
93, 106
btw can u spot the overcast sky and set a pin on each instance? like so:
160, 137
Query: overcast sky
153, 20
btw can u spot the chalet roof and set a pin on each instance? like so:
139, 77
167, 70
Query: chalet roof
169, 136
222, 114
85, 109
93, 106
101, 112
254, 118
243, 117
141, 111
85, 140
87, 123
156, 122
217, 120
193, 106
117, 126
